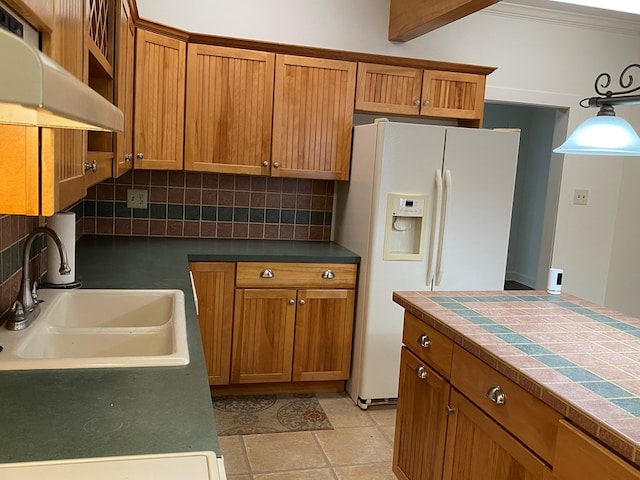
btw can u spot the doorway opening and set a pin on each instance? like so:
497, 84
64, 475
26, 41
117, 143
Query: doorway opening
536, 190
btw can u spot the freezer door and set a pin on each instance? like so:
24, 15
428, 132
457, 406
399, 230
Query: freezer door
479, 177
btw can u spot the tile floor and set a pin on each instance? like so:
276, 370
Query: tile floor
359, 447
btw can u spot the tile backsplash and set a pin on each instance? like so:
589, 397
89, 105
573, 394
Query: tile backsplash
180, 204
209, 205
13, 231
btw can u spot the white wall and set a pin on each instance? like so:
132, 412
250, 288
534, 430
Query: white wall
550, 62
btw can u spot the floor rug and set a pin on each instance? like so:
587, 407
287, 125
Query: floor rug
250, 414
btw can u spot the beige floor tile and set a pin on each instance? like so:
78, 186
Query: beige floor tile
342, 412
378, 471
273, 452
383, 415
352, 446
239, 477
389, 432
324, 474
235, 458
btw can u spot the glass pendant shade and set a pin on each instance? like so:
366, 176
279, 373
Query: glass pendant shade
602, 135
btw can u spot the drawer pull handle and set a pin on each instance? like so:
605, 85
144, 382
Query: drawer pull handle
292, 301
424, 341
328, 274
421, 372
93, 166
496, 395
266, 273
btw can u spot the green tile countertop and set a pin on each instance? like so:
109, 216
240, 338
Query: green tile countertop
56, 414
580, 358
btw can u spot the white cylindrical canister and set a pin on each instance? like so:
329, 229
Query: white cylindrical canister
554, 283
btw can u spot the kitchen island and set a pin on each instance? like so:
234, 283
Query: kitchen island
57, 414
544, 385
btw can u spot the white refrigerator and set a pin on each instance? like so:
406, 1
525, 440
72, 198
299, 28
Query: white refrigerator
457, 185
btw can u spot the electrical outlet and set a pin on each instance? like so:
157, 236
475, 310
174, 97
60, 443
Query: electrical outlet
580, 196
136, 198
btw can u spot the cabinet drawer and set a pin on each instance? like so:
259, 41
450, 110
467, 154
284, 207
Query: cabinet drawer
438, 349
526, 417
306, 275
578, 456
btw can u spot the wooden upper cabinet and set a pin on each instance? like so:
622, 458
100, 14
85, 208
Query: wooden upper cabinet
63, 152
428, 93
313, 117
159, 101
123, 159
229, 109
388, 89
453, 95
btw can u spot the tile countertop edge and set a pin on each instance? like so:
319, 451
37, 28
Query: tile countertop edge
589, 423
131, 411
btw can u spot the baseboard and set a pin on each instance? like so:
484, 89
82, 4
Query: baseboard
334, 386
527, 280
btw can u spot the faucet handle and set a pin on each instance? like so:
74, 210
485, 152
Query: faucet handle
34, 292
17, 309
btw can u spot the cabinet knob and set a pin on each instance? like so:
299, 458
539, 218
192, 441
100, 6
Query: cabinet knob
93, 166
450, 410
292, 301
302, 302
266, 273
140, 155
496, 395
416, 103
421, 372
276, 165
128, 157
265, 164
425, 103
328, 274
424, 341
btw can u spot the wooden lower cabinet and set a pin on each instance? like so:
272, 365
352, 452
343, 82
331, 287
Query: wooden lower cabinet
324, 327
214, 286
478, 448
263, 331
421, 421
279, 335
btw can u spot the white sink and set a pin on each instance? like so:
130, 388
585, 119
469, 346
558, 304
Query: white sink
171, 466
99, 329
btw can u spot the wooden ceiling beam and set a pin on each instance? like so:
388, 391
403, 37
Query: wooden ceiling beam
409, 19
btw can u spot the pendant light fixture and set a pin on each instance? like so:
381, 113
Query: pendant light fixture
606, 134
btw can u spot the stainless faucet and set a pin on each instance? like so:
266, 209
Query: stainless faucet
26, 307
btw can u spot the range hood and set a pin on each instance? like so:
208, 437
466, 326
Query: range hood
35, 90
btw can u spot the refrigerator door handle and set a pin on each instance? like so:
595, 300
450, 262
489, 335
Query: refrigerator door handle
436, 229
443, 228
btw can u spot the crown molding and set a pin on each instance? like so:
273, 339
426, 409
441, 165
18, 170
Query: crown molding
576, 19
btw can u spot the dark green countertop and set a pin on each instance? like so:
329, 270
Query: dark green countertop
55, 414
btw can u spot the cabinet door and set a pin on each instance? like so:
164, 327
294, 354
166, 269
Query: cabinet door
324, 324
480, 449
421, 421
63, 151
213, 283
19, 182
263, 330
388, 89
312, 117
229, 109
159, 101
453, 95
124, 89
